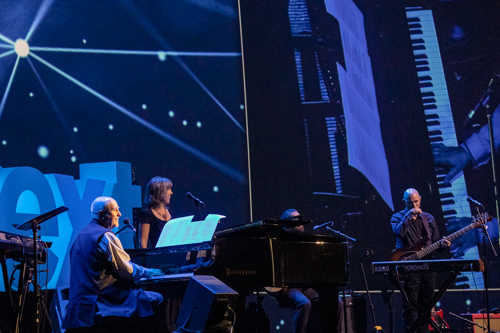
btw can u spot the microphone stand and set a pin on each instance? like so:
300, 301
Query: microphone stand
116, 233
198, 208
489, 115
34, 225
340, 234
492, 158
485, 273
376, 328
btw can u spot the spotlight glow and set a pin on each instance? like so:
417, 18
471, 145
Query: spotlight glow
73, 159
4, 142
71, 151
84, 41
22, 48
171, 113
198, 124
75, 129
240, 177
111, 127
184, 122
216, 188
162, 56
43, 151
31, 94
144, 106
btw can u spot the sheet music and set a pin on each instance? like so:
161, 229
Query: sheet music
364, 139
183, 230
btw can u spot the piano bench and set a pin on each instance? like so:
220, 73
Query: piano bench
116, 324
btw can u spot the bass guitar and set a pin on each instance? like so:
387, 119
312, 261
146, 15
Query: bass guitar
418, 251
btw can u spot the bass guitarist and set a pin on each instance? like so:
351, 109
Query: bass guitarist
411, 225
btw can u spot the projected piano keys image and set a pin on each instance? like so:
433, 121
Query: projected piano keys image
444, 127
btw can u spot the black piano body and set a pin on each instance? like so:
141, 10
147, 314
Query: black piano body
264, 254
256, 255
260, 254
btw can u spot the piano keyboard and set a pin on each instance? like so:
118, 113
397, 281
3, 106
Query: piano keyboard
440, 125
458, 265
331, 125
166, 278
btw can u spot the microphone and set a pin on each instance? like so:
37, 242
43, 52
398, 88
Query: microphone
322, 225
127, 224
483, 102
196, 200
474, 202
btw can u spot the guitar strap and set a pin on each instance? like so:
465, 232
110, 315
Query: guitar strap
426, 225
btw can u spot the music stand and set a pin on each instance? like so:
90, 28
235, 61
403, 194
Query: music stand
34, 224
341, 205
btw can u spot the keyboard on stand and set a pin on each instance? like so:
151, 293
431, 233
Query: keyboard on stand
415, 266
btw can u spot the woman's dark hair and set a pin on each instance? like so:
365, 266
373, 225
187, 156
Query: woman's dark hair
156, 191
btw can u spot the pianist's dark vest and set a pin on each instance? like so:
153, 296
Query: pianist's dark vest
94, 282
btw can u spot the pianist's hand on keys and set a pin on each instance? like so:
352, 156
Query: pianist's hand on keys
456, 158
154, 272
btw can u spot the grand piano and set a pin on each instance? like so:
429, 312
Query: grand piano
258, 254
252, 256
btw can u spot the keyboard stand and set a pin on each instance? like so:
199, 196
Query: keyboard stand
8, 292
422, 311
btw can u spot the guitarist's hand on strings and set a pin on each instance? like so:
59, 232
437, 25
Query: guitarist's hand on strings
445, 242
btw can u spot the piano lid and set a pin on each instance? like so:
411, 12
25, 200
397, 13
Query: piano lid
273, 229
286, 223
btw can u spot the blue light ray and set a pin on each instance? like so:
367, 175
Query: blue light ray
44, 7
2, 37
135, 12
7, 89
132, 52
64, 122
235, 174
214, 6
7, 53
6, 46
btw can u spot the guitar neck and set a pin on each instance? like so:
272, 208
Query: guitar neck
431, 248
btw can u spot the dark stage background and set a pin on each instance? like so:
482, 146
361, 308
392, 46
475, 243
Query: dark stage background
241, 103
290, 123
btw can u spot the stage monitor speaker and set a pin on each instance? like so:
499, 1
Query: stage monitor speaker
205, 303
482, 320
356, 314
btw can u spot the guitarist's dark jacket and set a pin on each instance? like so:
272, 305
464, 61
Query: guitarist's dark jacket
409, 231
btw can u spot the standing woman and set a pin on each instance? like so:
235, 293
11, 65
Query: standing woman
153, 218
